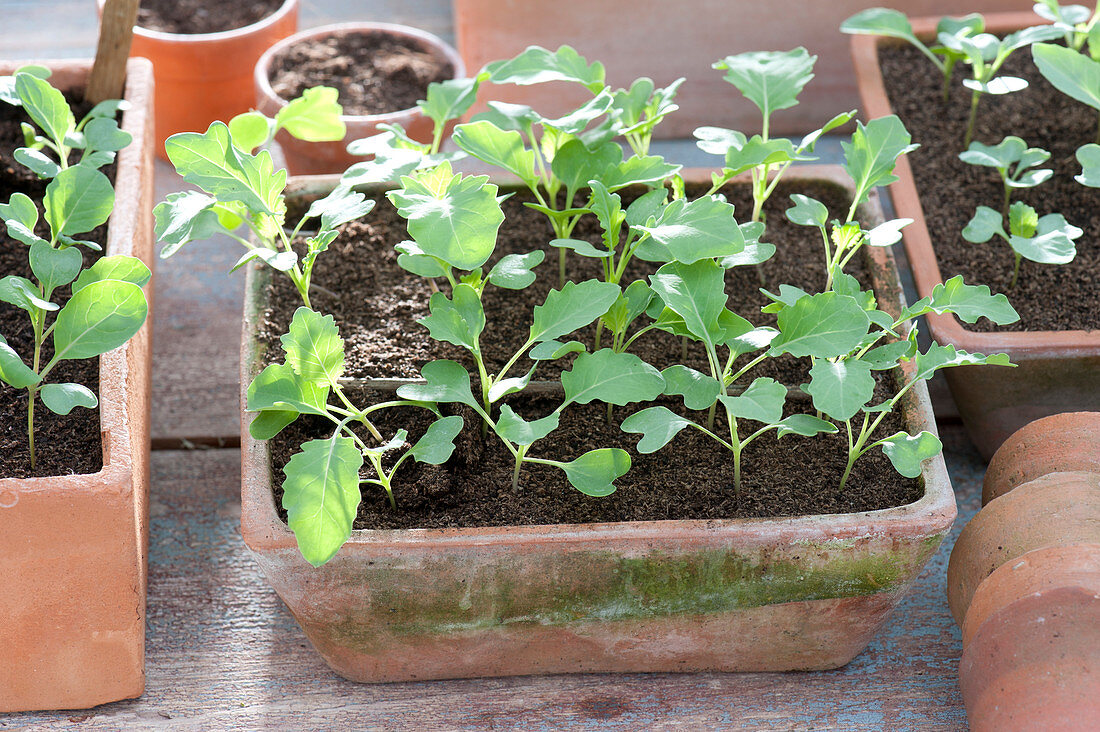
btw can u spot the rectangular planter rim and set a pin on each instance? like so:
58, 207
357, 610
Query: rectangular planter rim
263, 530
918, 243
114, 366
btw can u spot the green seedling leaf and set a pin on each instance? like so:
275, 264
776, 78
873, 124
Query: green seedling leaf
754, 253
54, 267
757, 152
314, 348
881, 22
640, 170
12, 369
887, 356
1069, 71
269, 423
574, 306
1000, 85
39, 163
553, 350
717, 140
517, 117
788, 296
452, 218
574, 164
450, 99
45, 105
78, 199
63, 398
20, 208
514, 428
460, 320
537, 65
99, 318
183, 217
339, 207
23, 294
502, 148
887, 233
595, 472
825, 325
699, 390
908, 452
321, 495
280, 388
1052, 243
576, 121
840, 389
1089, 157
871, 155
648, 205
805, 425
582, 247
108, 108
810, 141
438, 442
504, 387
807, 211
515, 271
210, 161
771, 80
941, 357
749, 340
103, 133
984, 225
445, 382
970, 302
412, 259
612, 378
281, 261
656, 425
1002, 155
633, 301
314, 116
762, 401
250, 130
696, 292
690, 231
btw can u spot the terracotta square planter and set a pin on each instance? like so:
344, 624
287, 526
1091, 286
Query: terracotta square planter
1056, 370
73, 547
728, 595
664, 41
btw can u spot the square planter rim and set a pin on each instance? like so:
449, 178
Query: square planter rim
918, 242
114, 409
263, 530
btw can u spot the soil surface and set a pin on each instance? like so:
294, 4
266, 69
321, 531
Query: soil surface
64, 444
374, 72
690, 478
1048, 297
203, 16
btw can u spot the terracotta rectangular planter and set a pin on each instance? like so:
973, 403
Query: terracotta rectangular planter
664, 41
729, 595
1057, 371
73, 547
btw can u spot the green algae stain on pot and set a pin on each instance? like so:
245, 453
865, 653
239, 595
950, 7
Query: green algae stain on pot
446, 596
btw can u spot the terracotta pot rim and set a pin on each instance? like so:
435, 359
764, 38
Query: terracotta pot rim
946, 329
934, 512
115, 419
261, 75
260, 25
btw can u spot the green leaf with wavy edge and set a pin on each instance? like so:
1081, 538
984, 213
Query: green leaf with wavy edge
515, 429
690, 231
445, 382
573, 306
612, 378
825, 325
184, 217
459, 320
99, 318
451, 98
762, 401
339, 207
807, 211
12, 369
321, 495
537, 65
280, 388
873, 152
45, 105
698, 390
594, 473
64, 398
886, 22
515, 271
941, 357
656, 425
967, 302
805, 425
54, 267
77, 200
502, 148
103, 133
314, 348
840, 389
772, 80
907, 453
1052, 242
315, 116
696, 292
438, 442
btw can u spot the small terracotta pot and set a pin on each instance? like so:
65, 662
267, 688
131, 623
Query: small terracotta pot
203, 77
1035, 664
1047, 512
804, 592
72, 574
1067, 442
313, 158
1037, 572
1056, 370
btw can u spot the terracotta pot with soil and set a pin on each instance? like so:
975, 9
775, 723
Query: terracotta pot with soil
469, 578
1059, 509
381, 70
203, 54
1056, 344
75, 530
1062, 443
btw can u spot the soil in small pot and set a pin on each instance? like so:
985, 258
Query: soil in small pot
375, 72
1048, 297
690, 479
379, 303
203, 16
64, 445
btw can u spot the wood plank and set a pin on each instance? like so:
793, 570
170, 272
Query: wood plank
224, 653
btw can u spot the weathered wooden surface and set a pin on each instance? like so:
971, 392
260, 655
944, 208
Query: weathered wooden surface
223, 652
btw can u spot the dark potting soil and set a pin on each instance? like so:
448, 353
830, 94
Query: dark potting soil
374, 72
691, 478
1048, 297
203, 16
64, 445
379, 303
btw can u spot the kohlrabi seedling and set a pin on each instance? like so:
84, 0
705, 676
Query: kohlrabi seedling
107, 306
238, 187
1014, 161
1071, 73
1046, 240
55, 128
637, 111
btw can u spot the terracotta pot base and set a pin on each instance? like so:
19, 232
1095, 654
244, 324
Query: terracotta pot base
1068, 442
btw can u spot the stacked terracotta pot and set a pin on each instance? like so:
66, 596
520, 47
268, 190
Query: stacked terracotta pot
1024, 582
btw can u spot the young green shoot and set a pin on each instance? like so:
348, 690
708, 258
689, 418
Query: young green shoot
1014, 161
1045, 240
